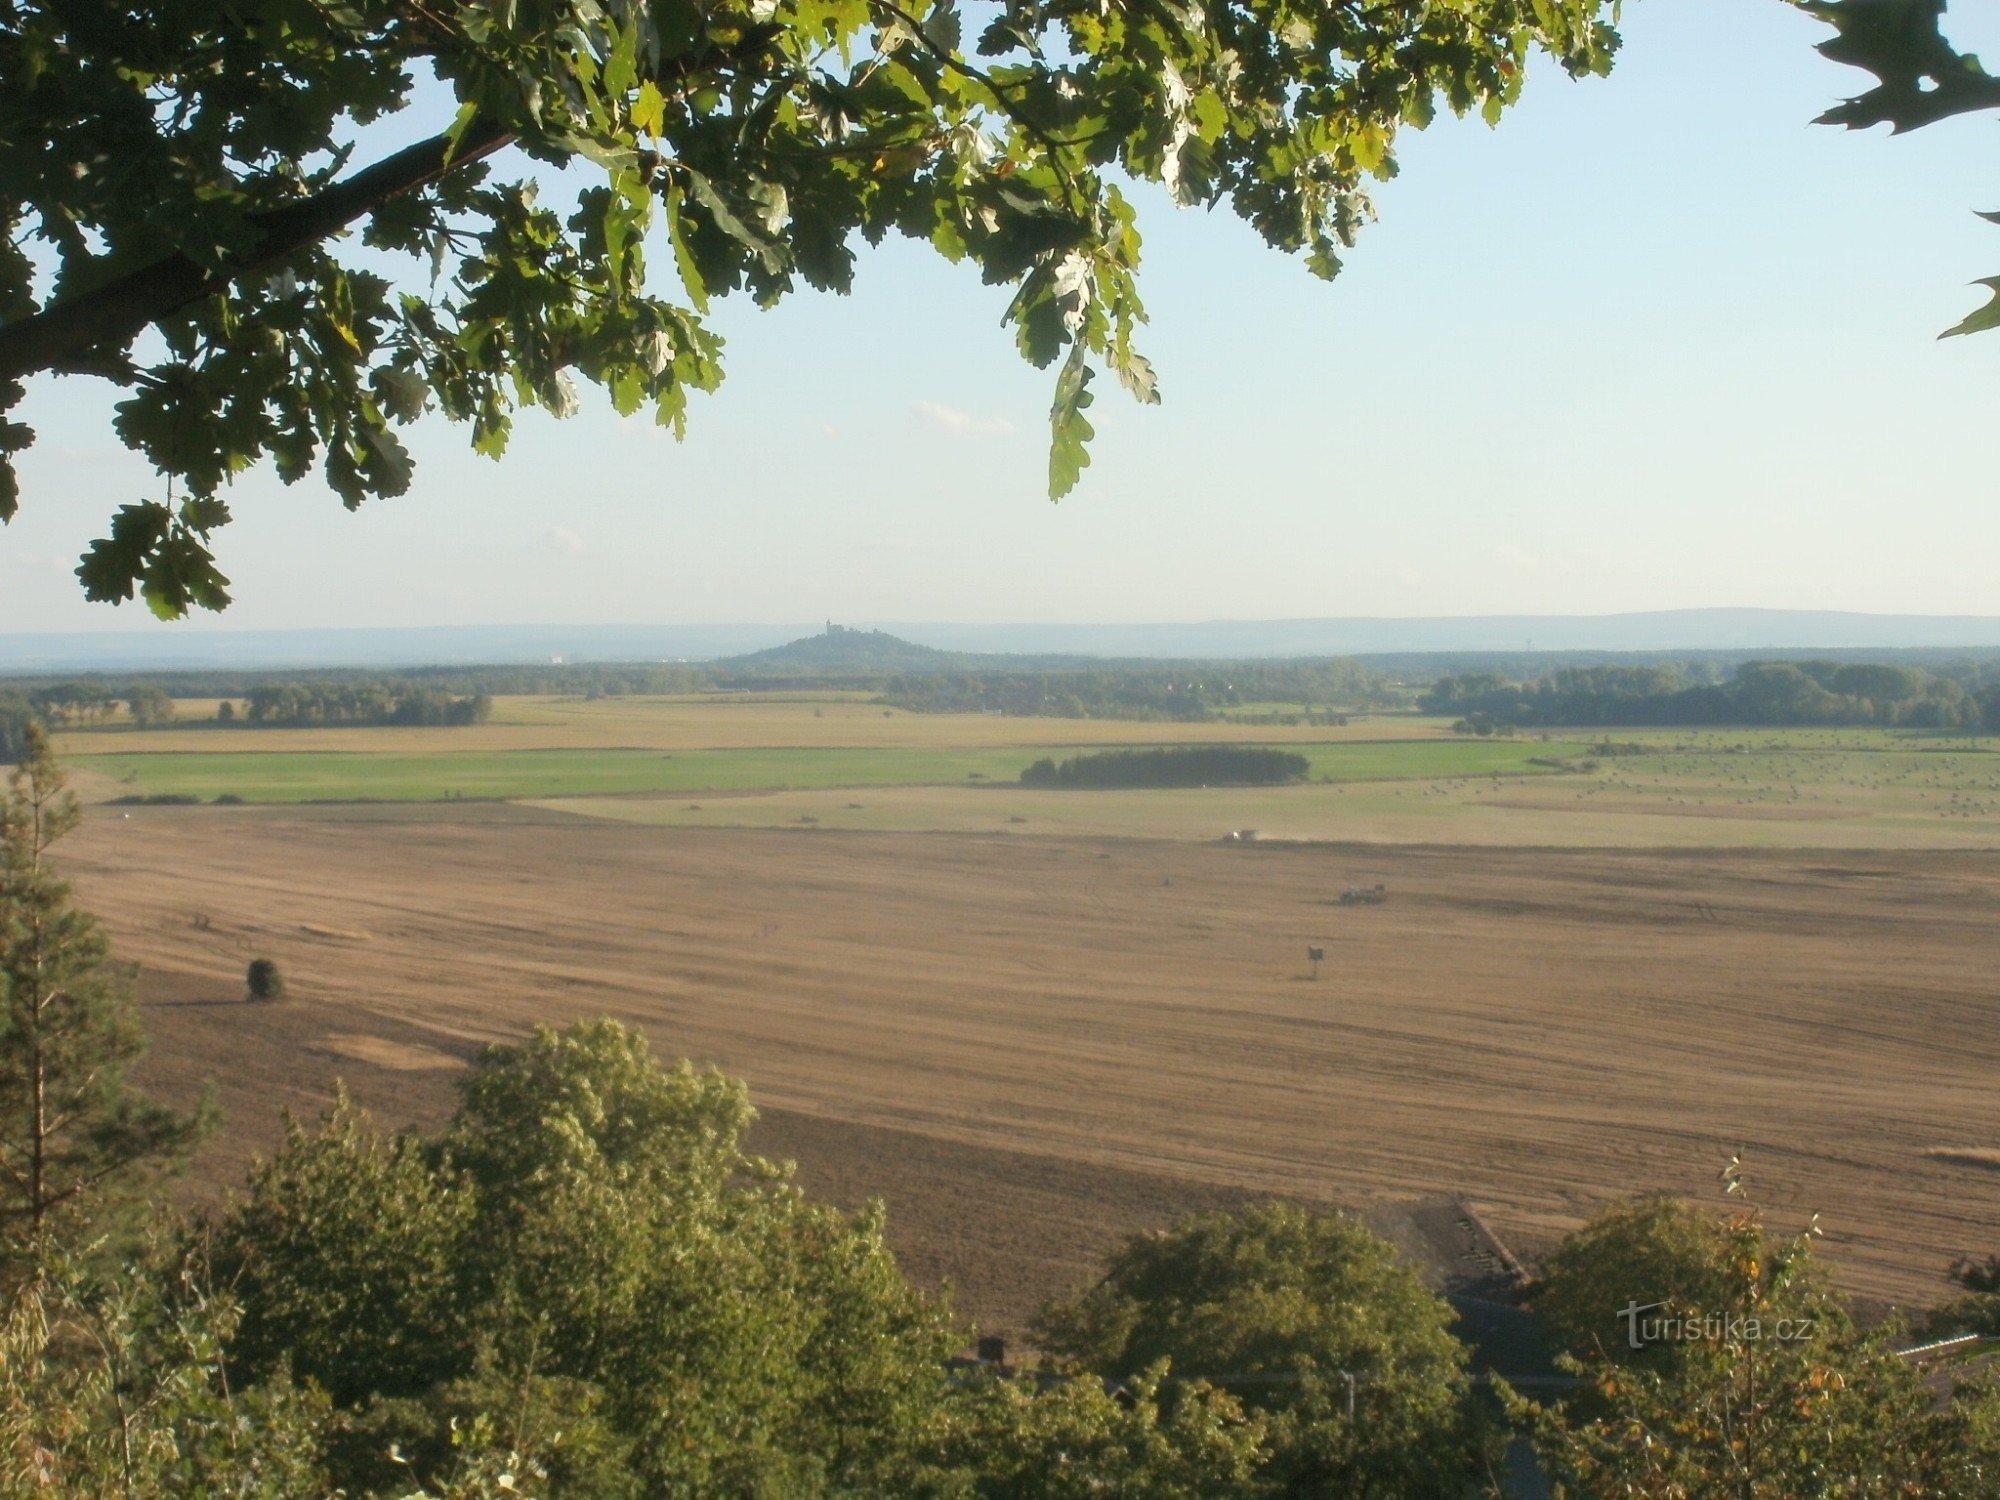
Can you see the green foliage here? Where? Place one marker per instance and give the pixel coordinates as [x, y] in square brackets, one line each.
[149, 706]
[1663, 1256]
[1281, 1308]
[293, 705]
[67, 703]
[262, 980]
[347, 1257]
[1010, 1440]
[75, 1143]
[581, 1289]
[1189, 691]
[588, 1229]
[1177, 765]
[118, 1389]
[1921, 78]
[191, 175]
[1758, 1387]
[1978, 1311]
[1769, 693]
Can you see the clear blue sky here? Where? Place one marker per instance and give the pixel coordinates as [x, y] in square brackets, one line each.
[1655, 342]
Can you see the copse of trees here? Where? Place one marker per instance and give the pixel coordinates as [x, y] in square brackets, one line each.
[59, 704]
[149, 706]
[292, 704]
[1053, 695]
[1776, 694]
[1174, 766]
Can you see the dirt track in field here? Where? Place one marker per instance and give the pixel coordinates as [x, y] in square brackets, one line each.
[1029, 1046]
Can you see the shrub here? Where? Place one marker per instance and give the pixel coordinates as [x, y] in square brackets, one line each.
[1750, 1379]
[588, 1224]
[264, 980]
[1280, 1308]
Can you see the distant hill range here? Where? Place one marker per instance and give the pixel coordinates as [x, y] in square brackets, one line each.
[919, 647]
[1673, 630]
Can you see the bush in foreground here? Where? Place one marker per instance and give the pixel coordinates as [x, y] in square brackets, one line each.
[1751, 1382]
[589, 1227]
[1312, 1323]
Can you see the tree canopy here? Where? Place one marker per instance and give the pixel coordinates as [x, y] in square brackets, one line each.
[1310, 1321]
[1715, 1363]
[190, 168]
[179, 184]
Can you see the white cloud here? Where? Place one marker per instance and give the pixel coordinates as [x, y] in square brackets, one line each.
[961, 424]
[561, 539]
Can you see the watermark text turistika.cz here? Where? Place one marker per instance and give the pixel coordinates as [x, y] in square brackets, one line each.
[1664, 1327]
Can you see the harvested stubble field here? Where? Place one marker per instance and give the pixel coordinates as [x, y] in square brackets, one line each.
[1028, 1045]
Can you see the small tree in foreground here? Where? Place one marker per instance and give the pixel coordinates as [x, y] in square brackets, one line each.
[1657, 1264]
[263, 980]
[75, 1142]
[1750, 1382]
[1316, 1326]
[588, 1232]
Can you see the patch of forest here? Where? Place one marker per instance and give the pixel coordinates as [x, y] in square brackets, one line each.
[1174, 766]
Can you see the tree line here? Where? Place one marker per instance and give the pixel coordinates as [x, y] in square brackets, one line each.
[295, 704]
[274, 704]
[583, 1287]
[1187, 692]
[548, 679]
[1173, 691]
[1777, 694]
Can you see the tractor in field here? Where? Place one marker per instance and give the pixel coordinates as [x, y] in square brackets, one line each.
[1364, 895]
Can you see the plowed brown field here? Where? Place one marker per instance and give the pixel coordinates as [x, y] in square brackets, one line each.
[1029, 1045]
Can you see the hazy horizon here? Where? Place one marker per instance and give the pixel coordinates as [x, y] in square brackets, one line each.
[1640, 633]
